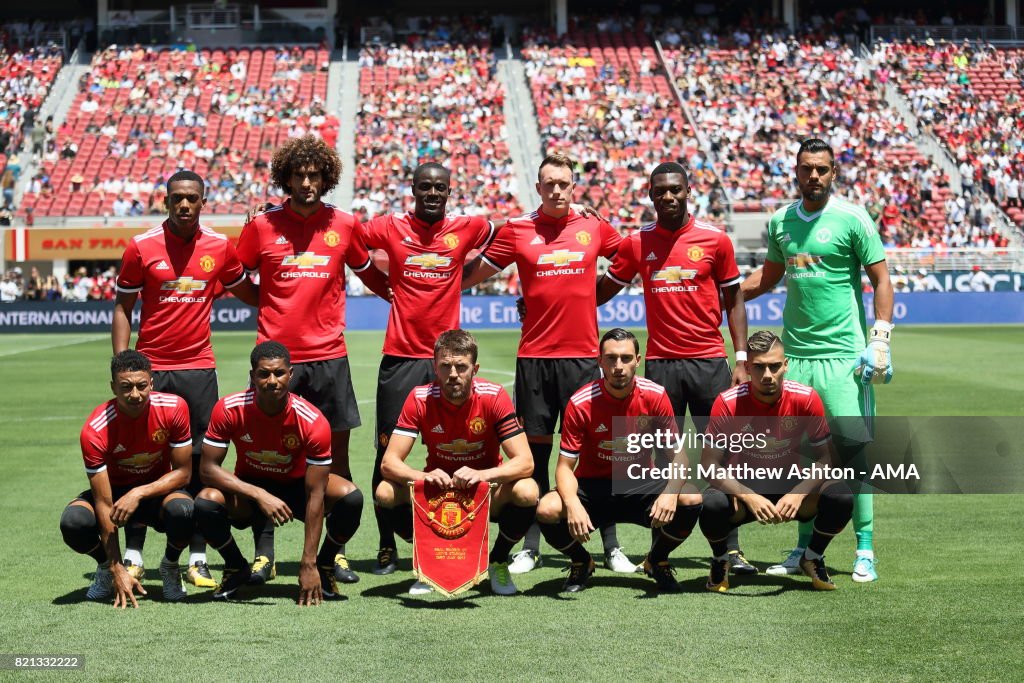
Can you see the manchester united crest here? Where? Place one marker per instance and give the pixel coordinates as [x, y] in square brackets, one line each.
[695, 253]
[331, 238]
[451, 241]
[291, 441]
[383, 439]
[207, 263]
[451, 514]
[477, 425]
[159, 436]
[789, 423]
[583, 237]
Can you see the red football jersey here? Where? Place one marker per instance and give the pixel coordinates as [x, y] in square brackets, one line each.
[178, 282]
[425, 274]
[301, 264]
[683, 272]
[557, 262]
[457, 436]
[135, 451]
[590, 422]
[274, 447]
[798, 411]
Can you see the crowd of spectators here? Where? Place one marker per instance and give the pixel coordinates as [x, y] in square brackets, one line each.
[602, 98]
[141, 114]
[755, 101]
[971, 97]
[81, 285]
[428, 100]
[25, 79]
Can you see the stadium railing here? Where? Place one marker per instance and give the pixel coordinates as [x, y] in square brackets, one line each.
[990, 34]
[931, 260]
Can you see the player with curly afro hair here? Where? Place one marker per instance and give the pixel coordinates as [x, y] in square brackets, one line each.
[299, 153]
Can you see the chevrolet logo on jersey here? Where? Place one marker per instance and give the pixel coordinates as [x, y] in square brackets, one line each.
[460, 446]
[428, 261]
[140, 462]
[559, 258]
[674, 274]
[804, 260]
[269, 457]
[616, 445]
[306, 259]
[184, 285]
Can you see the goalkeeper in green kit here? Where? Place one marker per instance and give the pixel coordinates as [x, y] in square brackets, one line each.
[820, 244]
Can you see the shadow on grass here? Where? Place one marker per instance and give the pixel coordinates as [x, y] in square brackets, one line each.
[399, 591]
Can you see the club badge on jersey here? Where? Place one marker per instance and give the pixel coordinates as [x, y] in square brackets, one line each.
[450, 536]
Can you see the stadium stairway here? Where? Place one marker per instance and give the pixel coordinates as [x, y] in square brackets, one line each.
[521, 126]
[343, 100]
[57, 104]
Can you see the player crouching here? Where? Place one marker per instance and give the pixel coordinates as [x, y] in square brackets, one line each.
[784, 412]
[282, 472]
[137, 449]
[586, 498]
[463, 420]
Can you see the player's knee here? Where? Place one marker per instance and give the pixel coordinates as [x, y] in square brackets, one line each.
[78, 527]
[837, 496]
[715, 502]
[178, 509]
[549, 509]
[384, 496]
[689, 500]
[205, 507]
[212, 495]
[350, 502]
[525, 493]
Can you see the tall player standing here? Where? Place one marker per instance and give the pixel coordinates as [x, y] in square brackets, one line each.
[178, 268]
[556, 250]
[820, 244]
[426, 250]
[688, 270]
[300, 250]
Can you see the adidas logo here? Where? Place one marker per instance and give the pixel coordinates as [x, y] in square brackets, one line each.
[537, 240]
[652, 257]
[281, 239]
[601, 428]
[119, 449]
[246, 438]
[162, 266]
[438, 429]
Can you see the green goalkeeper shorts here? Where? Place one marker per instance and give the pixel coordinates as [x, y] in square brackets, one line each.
[841, 392]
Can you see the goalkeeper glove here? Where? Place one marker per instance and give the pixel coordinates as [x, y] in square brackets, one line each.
[875, 363]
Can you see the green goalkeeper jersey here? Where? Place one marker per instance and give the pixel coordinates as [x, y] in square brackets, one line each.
[823, 253]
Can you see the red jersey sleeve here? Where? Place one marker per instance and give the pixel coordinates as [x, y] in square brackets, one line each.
[610, 240]
[180, 428]
[318, 442]
[93, 448]
[358, 257]
[573, 430]
[249, 246]
[720, 417]
[503, 416]
[625, 267]
[131, 278]
[502, 250]
[232, 273]
[726, 271]
[374, 232]
[218, 433]
[817, 426]
[483, 232]
[409, 419]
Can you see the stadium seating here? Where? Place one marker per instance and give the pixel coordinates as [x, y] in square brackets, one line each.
[141, 114]
[25, 80]
[755, 105]
[601, 98]
[971, 97]
[444, 104]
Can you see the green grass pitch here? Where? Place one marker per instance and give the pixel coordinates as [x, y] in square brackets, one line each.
[947, 606]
